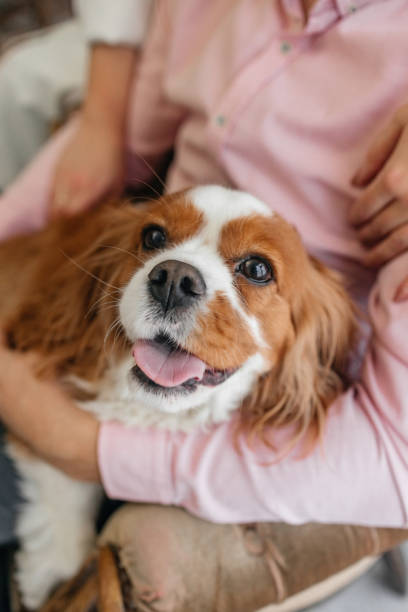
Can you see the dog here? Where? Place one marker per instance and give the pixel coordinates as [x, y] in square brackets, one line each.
[174, 313]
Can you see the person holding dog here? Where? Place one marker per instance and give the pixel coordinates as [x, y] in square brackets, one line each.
[298, 103]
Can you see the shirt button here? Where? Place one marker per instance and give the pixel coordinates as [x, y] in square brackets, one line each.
[285, 47]
[220, 120]
[352, 8]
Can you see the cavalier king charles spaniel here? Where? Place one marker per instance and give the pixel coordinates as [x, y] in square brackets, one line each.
[172, 314]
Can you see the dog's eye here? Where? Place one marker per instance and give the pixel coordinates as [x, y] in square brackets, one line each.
[256, 270]
[154, 237]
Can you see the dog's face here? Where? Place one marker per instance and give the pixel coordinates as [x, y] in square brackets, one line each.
[212, 299]
[216, 301]
[196, 311]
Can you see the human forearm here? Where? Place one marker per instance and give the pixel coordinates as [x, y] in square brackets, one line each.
[91, 168]
[46, 420]
[106, 98]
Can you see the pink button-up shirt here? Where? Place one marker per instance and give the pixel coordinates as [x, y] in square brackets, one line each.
[250, 94]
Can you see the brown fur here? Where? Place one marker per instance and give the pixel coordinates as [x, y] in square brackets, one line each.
[221, 337]
[63, 315]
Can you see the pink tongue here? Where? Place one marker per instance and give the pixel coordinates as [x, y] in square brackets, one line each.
[165, 366]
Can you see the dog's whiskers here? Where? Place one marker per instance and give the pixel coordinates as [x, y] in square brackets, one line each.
[152, 170]
[116, 248]
[94, 305]
[100, 280]
[146, 184]
[115, 326]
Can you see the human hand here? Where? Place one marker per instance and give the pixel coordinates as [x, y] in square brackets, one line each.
[44, 419]
[90, 168]
[380, 213]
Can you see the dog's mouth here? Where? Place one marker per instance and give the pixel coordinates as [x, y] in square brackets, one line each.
[162, 364]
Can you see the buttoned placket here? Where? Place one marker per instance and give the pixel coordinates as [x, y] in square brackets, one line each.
[276, 56]
[283, 48]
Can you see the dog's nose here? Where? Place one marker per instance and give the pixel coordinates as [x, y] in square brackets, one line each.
[175, 283]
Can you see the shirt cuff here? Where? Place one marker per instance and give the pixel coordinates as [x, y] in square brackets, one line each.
[122, 22]
[135, 464]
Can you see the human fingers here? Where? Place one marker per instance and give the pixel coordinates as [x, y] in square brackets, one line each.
[373, 199]
[75, 192]
[391, 183]
[67, 205]
[386, 221]
[381, 148]
[389, 248]
[64, 187]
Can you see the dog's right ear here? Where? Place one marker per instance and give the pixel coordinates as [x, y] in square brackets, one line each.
[69, 305]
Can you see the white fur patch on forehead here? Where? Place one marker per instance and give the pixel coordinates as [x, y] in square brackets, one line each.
[221, 205]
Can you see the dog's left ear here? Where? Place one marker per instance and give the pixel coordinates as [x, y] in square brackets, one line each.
[314, 369]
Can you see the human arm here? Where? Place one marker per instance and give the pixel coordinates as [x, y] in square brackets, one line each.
[45, 419]
[92, 164]
[151, 131]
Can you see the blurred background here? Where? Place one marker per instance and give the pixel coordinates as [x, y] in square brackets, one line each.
[19, 17]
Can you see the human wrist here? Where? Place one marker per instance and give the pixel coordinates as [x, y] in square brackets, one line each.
[107, 94]
[104, 117]
[79, 459]
[98, 124]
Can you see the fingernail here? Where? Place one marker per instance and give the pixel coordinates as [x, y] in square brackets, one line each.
[401, 294]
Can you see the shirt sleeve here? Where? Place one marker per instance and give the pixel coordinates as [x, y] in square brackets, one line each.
[358, 475]
[115, 22]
